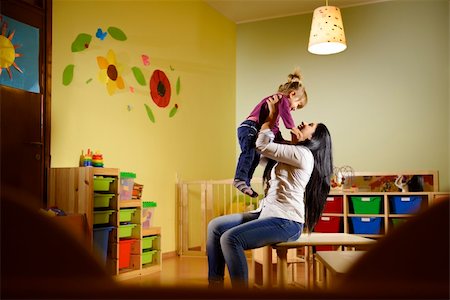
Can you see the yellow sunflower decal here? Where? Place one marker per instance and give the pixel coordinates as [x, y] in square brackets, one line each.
[109, 73]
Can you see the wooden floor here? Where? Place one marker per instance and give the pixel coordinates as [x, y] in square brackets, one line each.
[190, 272]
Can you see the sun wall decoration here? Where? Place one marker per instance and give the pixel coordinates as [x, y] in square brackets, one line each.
[111, 73]
[19, 44]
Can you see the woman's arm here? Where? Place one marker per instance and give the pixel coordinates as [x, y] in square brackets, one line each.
[288, 154]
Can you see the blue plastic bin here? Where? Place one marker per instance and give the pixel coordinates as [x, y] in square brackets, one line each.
[101, 239]
[405, 204]
[363, 225]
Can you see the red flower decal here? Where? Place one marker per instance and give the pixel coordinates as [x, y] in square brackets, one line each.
[160, 88]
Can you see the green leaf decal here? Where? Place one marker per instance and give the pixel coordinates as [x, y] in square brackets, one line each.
[68, 74]
[173, 111]
[178, 85]
[81, 42]
[150, 113]
[117, 34]
[138, 75]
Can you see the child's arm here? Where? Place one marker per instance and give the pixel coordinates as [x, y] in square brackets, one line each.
[295, 132]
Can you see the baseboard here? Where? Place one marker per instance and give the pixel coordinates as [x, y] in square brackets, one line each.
[169, 254]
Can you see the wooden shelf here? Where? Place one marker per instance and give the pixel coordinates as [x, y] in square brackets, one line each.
[130, 203]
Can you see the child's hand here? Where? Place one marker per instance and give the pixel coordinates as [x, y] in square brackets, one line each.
[296, 135]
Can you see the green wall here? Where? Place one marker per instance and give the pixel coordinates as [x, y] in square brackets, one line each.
[385, 99]
[188, 41]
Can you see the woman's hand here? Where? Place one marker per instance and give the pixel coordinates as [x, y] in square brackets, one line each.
[272, 105]
[273, 111]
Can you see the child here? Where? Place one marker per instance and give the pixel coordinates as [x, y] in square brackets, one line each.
[292, 96]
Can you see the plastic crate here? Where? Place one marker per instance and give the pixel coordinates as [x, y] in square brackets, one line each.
[366, 205]
[327, 224]
[102, 184]
[147, 256]
[102, 216]
[126, 185]
[147, 242]
[126, 214]
[126, 230]
[396, 222]
[101, 240]
[148, 208]
[405, 204]
[334, 205]
[125, 253]
[363, 225]
[102, 200]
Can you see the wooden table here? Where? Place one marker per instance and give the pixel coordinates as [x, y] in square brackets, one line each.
[335, 264]
[307, 241]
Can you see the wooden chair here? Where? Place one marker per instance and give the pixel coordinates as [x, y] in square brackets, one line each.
[293, 257]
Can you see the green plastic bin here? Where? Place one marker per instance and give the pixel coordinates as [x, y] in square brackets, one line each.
[147, 242]
[398, 221]
[126, 230]
[125, 214]
[366, 205]
[147, 256]
[102, 216]
[101, 184]
[102, 200]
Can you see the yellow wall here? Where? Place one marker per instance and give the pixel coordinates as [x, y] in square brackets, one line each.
[385, 99]
[185, 39]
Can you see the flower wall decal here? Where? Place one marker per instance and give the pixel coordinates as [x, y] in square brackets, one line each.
[109, 73]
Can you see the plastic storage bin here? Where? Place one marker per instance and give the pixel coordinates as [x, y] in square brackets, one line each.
[334, 205]
[147, 242]
[126, 230]
[126, 185]
[396, 222]
[125, 253]
[147, 256]
[102, 216]
[366, 205]
[405, 205]
[327, 224]
[102, 184]
[363, 225]
[102, 200]
[148, 208]
[101, 239]
[125, 214]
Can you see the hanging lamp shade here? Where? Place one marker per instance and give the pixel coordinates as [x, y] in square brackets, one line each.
[327, 31]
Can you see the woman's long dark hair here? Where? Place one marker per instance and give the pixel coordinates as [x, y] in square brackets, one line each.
[318, 186]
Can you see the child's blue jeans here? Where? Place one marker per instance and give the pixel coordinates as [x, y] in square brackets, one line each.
[248, 159]
[230, 235]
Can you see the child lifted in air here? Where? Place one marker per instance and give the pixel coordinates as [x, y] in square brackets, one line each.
[292, 96]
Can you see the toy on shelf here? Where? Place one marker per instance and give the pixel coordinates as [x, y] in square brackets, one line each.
[91, 159]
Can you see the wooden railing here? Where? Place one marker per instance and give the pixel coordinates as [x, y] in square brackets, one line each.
[199, 201]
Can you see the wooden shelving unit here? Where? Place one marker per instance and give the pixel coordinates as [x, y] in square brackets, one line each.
[72, 190]
[428, 196]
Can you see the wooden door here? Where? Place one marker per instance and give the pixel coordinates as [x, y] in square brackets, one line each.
[25, 117]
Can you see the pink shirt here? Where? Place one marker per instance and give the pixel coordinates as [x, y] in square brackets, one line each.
[260, 112]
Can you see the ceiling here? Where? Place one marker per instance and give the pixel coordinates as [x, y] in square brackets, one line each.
[243, 11]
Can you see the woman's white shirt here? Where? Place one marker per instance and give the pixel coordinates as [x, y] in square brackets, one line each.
[289, 177]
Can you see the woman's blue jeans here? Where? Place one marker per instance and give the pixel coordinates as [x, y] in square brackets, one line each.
[230, 235]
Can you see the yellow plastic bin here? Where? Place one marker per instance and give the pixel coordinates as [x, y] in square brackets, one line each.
[102, 184]
[102, 216]
[147, 242]
[126, 230]
[148, 256]
[102, 200]
[125, 214]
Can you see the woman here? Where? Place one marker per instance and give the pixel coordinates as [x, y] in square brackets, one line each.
[303, 167]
